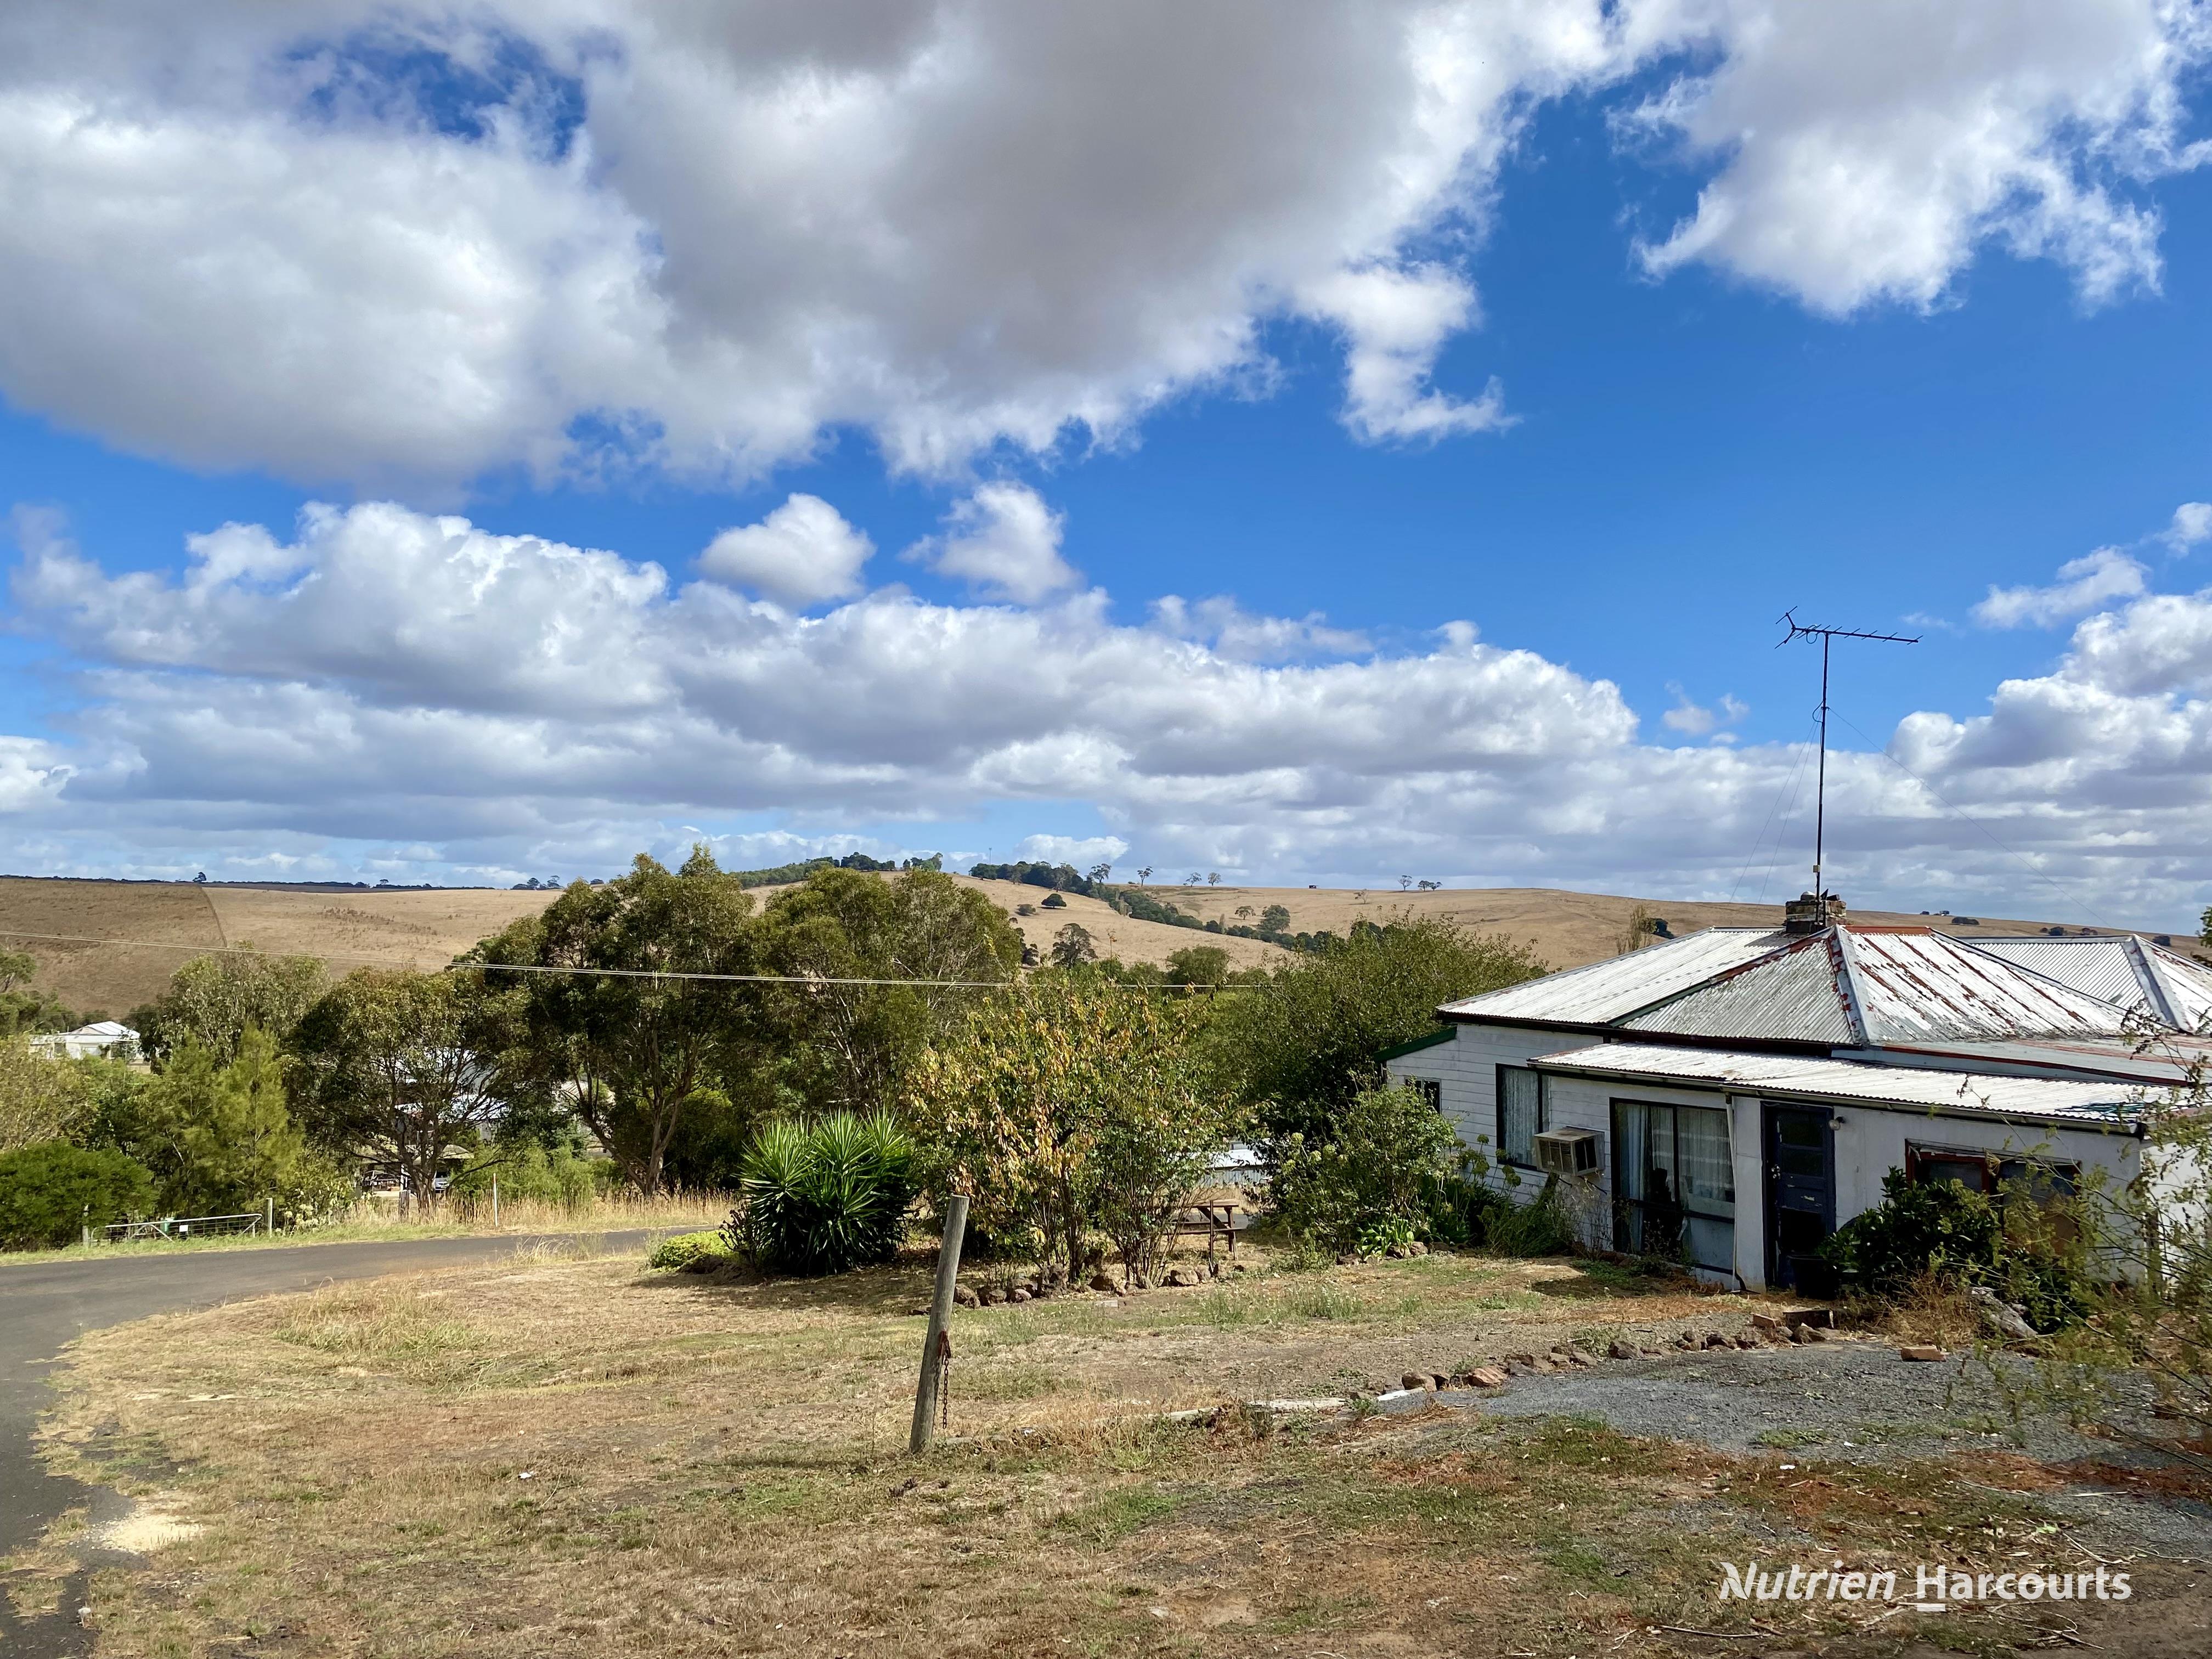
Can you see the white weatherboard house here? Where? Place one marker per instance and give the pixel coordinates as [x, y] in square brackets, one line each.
[1746, 1090]
[104, 1038]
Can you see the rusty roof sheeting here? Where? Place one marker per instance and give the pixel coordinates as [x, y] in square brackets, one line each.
[1850, 987]
[2122, 969]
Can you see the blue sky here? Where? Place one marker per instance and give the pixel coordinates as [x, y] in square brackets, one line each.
[1648, 323]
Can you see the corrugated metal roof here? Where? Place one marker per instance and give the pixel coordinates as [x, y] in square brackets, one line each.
[1969, 1092]
[1793, 994]
[2171, 1061]
[2120, 968]
[1607, 990]
[1913, 984]
[1856, 987]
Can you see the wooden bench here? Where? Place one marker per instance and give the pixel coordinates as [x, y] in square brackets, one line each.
[1215, 1222]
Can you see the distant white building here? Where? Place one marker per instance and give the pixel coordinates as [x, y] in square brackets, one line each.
[102, 1039]
[1746, 1090]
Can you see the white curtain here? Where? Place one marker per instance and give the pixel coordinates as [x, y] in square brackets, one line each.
[1519, 1113]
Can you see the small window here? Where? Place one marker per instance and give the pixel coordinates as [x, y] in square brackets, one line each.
[1430, 1089]
[1521, 1116]
[2046, 1182]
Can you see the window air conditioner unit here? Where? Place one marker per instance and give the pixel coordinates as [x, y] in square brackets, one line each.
[1567, 1151]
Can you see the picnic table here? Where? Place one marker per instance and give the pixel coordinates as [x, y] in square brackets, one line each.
[1216, 1221]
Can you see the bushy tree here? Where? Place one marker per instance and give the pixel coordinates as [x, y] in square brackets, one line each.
[1307, 1040]
[213, 1000]
[628, 1050]
[1072, 946]
[41, 1099]
[1199, 964]
[850, 1047]
[1372, 1182]
[24, 1006]
[220, 1139]
[48, 1192]
[406, 1065]
[1071, 1104]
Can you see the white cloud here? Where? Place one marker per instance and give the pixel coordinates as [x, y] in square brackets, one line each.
[2083, 584]
[2192, 524]
[1003, 541]
[1395, 322]
[1867, 151]
[1694, 721]
[592, 235]
[387, 680]
[803, 552]
[1081, 851]
[1233, 631]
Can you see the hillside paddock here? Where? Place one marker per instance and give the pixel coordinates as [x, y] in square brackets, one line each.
[570, 1456]
[427, 929]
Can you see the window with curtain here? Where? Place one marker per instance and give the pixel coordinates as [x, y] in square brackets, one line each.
[1520, 1113]
[1674, 1182]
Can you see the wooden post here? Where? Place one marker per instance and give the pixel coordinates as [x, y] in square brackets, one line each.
[940, 1316]
[494, 1200]
[268, 1230]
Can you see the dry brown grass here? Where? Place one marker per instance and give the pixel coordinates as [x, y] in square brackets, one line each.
[428, 929]
[571, 1457]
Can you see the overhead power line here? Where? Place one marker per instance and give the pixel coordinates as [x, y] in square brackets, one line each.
[606, 973]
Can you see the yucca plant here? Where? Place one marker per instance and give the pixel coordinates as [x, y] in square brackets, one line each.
[824, 1196]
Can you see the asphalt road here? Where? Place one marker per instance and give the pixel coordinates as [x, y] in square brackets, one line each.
[48, 1304]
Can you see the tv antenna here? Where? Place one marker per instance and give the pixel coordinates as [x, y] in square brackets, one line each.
[1826, 635]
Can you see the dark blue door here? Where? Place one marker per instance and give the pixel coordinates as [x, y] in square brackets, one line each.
[1800, 1196]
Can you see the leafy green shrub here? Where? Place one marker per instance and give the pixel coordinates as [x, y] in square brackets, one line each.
[47, 1192]
[1540, 1227]
[531, 1170]
[1941, 1230]
[825, 1196]
[1377, 1175]
[684, 1251]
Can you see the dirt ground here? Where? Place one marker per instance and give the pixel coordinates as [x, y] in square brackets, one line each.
[575, 1457]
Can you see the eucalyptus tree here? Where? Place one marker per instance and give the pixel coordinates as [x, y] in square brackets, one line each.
[407, 1065]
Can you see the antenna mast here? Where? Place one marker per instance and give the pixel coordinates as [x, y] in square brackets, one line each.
[1808, 631]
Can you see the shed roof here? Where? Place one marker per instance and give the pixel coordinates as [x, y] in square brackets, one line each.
[1969, 1093]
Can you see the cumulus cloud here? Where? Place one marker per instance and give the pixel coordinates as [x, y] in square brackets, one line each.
[803, 552]
[2192, 524]
[1081, 851]
[1395, 322]
[1867, 151]
[389, 680]
[2083, 584]
[1233, 631]
[1003, 541]
[1692, 719]
[400, 245]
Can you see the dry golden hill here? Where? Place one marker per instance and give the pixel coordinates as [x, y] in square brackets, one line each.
[1567, 929]
[165, 922]
[173, 921]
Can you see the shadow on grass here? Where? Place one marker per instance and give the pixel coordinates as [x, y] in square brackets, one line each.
[1591, 1279]
[897, 1288]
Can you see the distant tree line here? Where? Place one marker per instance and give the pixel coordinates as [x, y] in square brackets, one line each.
[565, 1055]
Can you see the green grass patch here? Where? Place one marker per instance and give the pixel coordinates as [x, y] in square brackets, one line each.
[1110, 1518]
